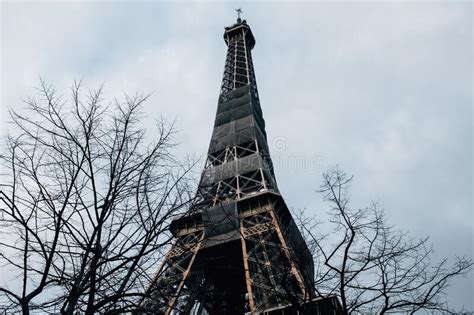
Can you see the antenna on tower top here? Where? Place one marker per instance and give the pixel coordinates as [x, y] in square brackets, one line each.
[239, 12]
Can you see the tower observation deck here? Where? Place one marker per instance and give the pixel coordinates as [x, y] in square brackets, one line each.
[237, 250]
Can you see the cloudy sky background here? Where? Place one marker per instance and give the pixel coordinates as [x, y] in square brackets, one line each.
[382, 89]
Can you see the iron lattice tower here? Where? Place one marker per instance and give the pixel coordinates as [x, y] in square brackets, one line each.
[237, 249]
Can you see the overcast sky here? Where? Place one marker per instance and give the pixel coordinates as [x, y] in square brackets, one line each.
[382, 89]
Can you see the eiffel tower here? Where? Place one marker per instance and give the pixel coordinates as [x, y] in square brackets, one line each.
[237, 250]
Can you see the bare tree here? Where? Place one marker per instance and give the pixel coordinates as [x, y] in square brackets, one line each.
[85, 203]
[370, 265]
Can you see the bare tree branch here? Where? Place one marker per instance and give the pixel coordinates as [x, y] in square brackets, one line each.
[373, 267]
[85, 203]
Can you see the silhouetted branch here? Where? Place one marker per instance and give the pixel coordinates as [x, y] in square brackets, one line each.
[370, 265]
[85, 203]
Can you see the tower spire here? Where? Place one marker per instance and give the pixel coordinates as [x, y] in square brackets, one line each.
[239, 12]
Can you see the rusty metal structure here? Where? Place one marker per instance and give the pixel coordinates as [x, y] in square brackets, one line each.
[237, 250]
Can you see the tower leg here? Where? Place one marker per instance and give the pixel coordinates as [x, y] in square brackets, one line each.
[247, 271]
[167, 288]
[272, 276]
[284, 247]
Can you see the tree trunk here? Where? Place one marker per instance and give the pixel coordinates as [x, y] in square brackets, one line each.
[25, 308]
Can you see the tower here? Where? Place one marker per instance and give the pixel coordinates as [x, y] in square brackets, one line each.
[237, 249]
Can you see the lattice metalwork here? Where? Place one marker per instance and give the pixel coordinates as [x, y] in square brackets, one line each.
[231, 154]
[175, 288]
[233, 188]
[273, 277]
